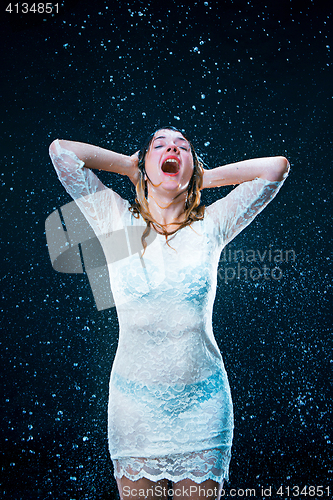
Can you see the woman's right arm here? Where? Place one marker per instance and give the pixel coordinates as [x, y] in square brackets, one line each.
[101, 206]
[101, 159]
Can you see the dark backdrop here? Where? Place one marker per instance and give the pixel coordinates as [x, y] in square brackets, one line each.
[244, 79]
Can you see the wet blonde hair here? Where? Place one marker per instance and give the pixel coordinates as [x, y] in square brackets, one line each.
[193, 210]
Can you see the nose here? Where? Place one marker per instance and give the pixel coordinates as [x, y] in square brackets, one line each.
[173, 148]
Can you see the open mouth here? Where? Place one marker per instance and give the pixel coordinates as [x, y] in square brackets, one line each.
[170, 166]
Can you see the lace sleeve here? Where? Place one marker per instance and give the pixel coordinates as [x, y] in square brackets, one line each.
[101, 206]
[234, 212]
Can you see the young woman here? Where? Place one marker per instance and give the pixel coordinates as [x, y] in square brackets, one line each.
[170, 409]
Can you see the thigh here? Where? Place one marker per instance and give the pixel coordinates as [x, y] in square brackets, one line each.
[143, 488]
[208, 490]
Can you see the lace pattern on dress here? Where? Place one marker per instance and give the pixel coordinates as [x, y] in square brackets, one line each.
[198, 467]
[169, 393]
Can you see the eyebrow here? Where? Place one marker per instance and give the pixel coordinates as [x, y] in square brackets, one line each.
[163, 137]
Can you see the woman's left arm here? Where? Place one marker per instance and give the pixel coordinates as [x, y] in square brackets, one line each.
[273, 169]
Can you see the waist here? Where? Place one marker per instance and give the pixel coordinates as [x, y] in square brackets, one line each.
[200, 389]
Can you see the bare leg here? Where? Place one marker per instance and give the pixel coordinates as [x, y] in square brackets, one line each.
[142, 489]
[208, 490]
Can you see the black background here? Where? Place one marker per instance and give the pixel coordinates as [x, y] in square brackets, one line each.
[244, 79]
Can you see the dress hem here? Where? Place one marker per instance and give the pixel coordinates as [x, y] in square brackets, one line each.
[210, 464]
[170, 477]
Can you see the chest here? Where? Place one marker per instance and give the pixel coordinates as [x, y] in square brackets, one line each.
[183, 268]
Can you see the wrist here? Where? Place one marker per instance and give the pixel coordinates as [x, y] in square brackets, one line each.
[206, 179]
[133, 169]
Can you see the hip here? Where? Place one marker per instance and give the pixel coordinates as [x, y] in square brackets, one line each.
[175, 396]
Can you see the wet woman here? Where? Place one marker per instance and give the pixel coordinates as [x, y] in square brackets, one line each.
[170, 415]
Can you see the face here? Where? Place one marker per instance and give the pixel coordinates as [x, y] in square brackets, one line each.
[169, 162]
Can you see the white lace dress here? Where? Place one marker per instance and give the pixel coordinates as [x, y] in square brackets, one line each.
[170, 410]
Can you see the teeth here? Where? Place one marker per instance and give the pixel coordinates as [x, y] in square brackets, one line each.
[170, 166]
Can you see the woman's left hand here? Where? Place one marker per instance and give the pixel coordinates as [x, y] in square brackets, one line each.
[274, 169]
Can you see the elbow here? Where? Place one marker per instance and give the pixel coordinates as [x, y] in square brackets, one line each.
[53, 149]
[279, 169]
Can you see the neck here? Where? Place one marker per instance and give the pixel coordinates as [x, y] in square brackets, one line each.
[167, 210]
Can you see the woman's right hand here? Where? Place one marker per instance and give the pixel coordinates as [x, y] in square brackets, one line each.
[134, 174]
